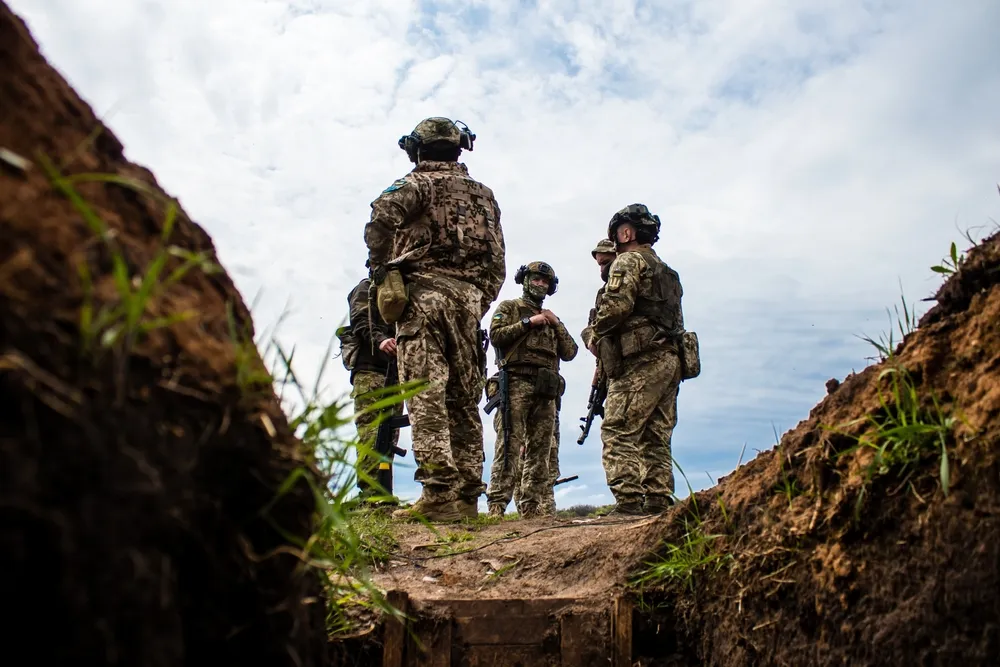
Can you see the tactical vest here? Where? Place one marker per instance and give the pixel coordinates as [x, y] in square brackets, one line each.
[538, 349]
[656, 315]
[462, 229]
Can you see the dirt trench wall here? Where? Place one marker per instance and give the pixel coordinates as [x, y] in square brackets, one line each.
[820, 562]
[132, 476]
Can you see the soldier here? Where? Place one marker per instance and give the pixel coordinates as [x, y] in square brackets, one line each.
[530, 342]
[637, 321]
[438, 258]
[376, 348]
[604, 252]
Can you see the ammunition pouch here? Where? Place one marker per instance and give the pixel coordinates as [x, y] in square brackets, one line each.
[392, 297]
[609, 351]
[637, 340]
[547, 383]
[689, 354]
[492, 387]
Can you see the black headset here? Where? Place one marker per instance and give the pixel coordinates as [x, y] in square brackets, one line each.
[522, 273]
[410, 142]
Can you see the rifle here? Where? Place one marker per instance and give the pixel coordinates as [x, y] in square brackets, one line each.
[563, 480]
[503, 397]
[383, 439]
[595, 404]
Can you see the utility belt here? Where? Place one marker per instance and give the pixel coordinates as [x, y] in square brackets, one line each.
[548, 383]
[614, 349]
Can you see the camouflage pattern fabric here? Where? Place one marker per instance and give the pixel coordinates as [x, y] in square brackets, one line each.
[530, 442]
[440, 343]
[641, 407]
[441, 228]
[367, 460]
[438, 222]
[640, 413]
[588, 335]
[548, 504]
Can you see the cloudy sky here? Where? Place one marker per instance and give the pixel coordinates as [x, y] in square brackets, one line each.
[806, 160]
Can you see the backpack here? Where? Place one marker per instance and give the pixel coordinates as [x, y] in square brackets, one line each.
[348, 347]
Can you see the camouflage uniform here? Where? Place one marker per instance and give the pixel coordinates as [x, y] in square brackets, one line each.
[367, 375]
[531, 355]
[441, 229]
[608, 247]
[639, 314]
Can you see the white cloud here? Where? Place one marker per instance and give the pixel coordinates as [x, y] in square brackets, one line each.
[802, 160]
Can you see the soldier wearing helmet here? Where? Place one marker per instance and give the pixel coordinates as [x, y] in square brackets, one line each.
[437, 256]
[604, 253]
[637, 325]
[530, 343]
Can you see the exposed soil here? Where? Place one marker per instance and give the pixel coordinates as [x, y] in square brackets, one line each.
[532, 559]
[132, 479]
[901, 575]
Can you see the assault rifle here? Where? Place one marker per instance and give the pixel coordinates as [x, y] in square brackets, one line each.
[383, 439]
[502, 397]
[595, 404]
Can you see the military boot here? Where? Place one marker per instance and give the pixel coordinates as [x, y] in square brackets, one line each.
[628, 508]
[657, 505]
[531, 511]
[496, 511]
[433, 511]
[469, 508]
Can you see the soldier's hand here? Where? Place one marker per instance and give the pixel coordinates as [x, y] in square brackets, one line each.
[388, 346]
[550, 316]
[539, 319]
[593, 348]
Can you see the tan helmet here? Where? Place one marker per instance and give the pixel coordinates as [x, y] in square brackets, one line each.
[603, 246]
[435, 129]
[524, 272]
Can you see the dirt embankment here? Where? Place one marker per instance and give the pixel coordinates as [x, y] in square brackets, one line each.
[833, 554]
[135, 459]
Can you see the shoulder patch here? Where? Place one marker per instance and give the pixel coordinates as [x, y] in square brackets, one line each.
[615, 281]
[397, 184]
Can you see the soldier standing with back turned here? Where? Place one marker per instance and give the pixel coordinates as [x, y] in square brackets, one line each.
[437, 255]
[530, 343]
[637, 323]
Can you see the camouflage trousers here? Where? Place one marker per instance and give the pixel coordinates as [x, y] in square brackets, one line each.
[639, 418]
[526, 478]
[548, 505]
[438, 341]
[367, 460]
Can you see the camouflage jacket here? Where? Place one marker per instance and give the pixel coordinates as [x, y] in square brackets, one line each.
[641, 304]
[441, 228]
[587, 335]
[368, 336]
[543, 346]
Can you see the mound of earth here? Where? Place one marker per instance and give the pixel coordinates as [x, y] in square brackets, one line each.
[531, 559]
[824, 552]
[136, 458]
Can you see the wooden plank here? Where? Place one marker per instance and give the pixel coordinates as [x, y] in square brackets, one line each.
[429, 644]
[621, 624]
[500, 629]
[394, 637]
[585, 638]
[502, 607]
[509, 656]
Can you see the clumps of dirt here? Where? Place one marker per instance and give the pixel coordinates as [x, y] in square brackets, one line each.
[525, 559]
[136, 473]
[827, 554]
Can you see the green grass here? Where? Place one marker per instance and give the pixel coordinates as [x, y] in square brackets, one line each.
[345, 543]
[682, 561]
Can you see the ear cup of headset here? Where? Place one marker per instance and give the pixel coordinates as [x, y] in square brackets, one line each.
[519, 276]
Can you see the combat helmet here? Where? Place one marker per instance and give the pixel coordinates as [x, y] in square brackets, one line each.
[525, 271]
[437, 129]
[605, 246]
[646, 223]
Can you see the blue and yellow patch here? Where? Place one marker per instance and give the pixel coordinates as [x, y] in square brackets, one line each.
[397, 184]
